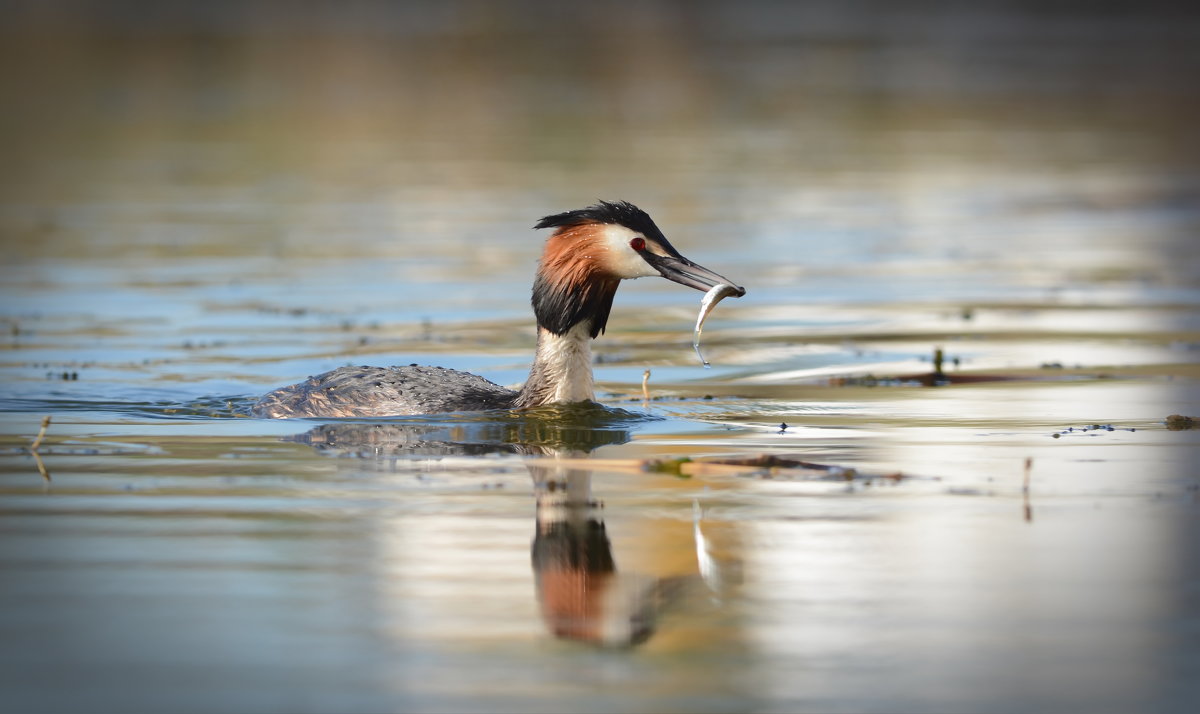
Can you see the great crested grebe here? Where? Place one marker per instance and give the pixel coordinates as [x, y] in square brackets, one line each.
[590, 252]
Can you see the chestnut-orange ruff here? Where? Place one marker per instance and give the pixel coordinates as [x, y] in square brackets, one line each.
[572, 284]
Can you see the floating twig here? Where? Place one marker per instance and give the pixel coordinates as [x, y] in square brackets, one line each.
[41, 434]
[33, 449]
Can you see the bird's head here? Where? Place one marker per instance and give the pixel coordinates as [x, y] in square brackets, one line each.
[592, 250]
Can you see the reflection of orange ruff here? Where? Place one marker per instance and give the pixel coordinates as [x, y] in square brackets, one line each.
[573, 602]
[575, 572]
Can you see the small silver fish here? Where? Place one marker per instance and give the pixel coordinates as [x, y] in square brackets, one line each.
[716, 294]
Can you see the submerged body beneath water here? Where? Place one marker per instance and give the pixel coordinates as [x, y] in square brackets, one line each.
[590, 252]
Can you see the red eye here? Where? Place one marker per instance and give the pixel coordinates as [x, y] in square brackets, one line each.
[638, 243]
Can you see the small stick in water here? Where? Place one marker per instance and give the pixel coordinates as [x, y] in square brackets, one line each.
[646, 386]
[41, 434]
[717, 293]
[33, 449]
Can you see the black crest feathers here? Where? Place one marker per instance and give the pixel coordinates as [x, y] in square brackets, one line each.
[620, 212]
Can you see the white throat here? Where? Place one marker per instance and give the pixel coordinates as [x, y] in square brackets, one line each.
[567, 360]
[562, 368]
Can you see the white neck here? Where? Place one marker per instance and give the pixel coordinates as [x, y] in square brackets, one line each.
[562, 368]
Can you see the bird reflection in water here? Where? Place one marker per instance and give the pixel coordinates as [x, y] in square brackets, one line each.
[568, 429]
[581, 594]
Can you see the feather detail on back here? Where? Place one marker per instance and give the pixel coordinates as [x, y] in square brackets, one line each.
[384, 391]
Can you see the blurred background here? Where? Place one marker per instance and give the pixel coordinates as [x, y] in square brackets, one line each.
[375, 163]
[844, 134]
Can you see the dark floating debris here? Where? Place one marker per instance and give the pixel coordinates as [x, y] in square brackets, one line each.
[1179, 422]
[767, 467]
[1090, 428]
[939, 377]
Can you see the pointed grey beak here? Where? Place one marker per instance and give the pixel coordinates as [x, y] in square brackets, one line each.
[683, 271]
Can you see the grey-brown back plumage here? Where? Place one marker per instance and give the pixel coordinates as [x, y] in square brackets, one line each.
[385, 391]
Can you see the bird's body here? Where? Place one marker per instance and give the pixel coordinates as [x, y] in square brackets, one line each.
[585, 259]
[385, 391]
